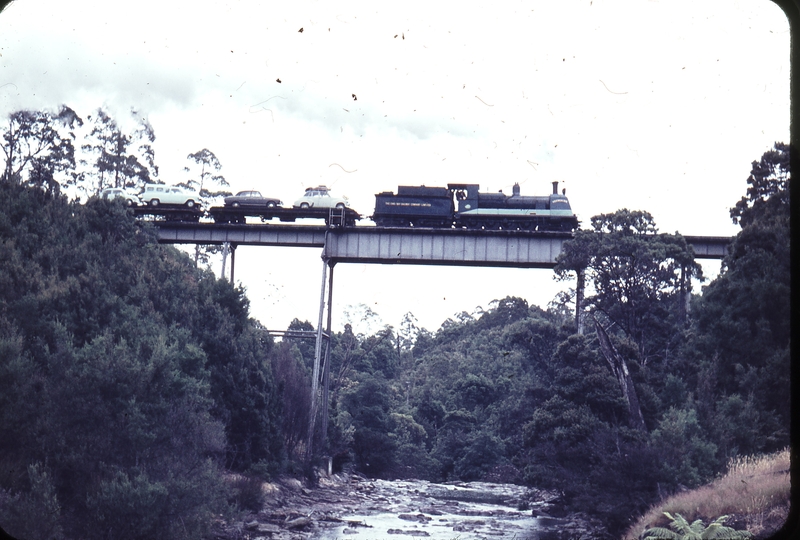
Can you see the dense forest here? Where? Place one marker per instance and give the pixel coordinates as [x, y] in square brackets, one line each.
[139, 399]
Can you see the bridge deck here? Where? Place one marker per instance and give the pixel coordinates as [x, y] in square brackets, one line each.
[384, 245]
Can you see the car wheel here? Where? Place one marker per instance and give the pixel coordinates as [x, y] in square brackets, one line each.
[304, 205]
[190, 204]
[153, 202]
[129, 202]
[271, 204]
[339, 205]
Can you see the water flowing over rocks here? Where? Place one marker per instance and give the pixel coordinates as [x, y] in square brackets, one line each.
[351, 506]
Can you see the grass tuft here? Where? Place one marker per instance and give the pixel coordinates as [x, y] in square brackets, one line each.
[754, 492]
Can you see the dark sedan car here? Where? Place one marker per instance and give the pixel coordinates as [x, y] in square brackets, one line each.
[252, 198]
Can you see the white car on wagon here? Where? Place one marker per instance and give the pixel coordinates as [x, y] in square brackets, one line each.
[320, 197]
[156, 194]
[110, 194]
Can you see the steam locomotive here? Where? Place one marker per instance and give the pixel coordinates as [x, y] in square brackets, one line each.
[463, 206]
[454, 206]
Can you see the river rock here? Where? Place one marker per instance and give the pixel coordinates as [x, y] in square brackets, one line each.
[298, 523]
[421, 518]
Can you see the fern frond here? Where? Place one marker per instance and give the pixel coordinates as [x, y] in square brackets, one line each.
[696, 531]
[717, 531]
[680, 524]
[659, 533]
[697, 526]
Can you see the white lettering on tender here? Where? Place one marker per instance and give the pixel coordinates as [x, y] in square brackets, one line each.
[406, 204]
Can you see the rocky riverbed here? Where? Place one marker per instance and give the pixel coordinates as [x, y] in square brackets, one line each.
[351, 506]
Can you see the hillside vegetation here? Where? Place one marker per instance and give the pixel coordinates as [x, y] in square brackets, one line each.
[130, 381]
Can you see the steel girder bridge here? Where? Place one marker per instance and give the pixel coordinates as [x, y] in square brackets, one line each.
[383, 245]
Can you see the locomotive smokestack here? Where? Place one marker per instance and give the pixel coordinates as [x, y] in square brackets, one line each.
[555, 187]
[515, 190]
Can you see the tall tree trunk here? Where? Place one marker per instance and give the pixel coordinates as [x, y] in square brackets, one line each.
[620, 370]
[579, 294]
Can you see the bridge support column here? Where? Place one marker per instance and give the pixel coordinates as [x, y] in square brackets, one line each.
[321, 365]
[233, 263]
[326, 369]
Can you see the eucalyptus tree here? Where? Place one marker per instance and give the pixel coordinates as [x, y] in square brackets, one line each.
[640, 281]
[119, 162]
[640, 278]
[38, 147]
[203, 179]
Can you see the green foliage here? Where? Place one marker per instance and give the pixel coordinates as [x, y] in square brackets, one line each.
[768, 187]
[34, 514]
[38, 146]
[481, 452]
[687, 457]
[411, 457]
[207, 184]
[743, 334]
[242, 384]
[294, 383]
[204, 164]
[638, 276]
[683, 530]
[133, 376]
[367, 403]
[118, 161]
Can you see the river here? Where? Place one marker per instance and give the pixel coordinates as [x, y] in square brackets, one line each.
[358, 508]
[440, 512]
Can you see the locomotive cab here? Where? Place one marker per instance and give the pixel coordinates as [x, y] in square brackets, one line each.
[466, 195]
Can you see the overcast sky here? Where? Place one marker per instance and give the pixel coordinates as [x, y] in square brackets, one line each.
[648, 105]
